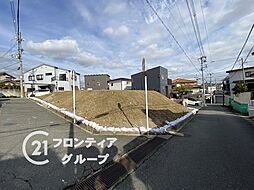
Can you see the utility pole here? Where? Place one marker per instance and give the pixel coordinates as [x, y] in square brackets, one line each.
[210, 74]
[243, 70]
[19, 56]
[203, 65]
[146, 96]
[74, 94]
[20, 50]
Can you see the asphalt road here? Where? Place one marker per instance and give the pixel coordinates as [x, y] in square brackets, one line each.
[20, 117]
[217, 153]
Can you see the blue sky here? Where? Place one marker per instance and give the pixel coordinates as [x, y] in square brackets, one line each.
[112, 36]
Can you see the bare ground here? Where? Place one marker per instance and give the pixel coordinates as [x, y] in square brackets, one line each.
[119, 108]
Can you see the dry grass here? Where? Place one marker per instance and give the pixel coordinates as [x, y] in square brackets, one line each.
[119, 108]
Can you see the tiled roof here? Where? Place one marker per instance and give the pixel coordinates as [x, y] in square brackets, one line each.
[177, 81]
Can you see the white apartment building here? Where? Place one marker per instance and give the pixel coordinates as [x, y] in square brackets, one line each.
[120, 84]
[211, 89]
[47, 78]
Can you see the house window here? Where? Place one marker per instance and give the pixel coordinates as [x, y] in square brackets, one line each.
[61, 88]
[62, 77]
[248, 74]
[39, 77]
[48, 74]
[31, 77]
[53, 78]
[30, 89]
[112, 84]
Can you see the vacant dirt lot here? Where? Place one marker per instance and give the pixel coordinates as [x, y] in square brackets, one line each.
[119, 108]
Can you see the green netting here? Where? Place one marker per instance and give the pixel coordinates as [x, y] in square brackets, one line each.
[239, 107]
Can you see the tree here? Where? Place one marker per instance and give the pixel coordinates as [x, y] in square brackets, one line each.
[181, 91]
[240, 87]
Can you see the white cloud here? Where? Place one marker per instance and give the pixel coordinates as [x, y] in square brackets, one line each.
[83, 11]
[115, 7]
[154, 52]
[148, 39]
[117, 32]
[5, 33]
[86, 58]
[53, 48]
[236, 11]
[62, 49]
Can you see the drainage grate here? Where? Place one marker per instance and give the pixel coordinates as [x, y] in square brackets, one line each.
[108, 177]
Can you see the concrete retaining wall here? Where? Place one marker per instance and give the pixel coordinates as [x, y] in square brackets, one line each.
[9, 93]
[243, 98]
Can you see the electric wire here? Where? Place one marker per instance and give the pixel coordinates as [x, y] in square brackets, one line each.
[171, 34]
[243, 47]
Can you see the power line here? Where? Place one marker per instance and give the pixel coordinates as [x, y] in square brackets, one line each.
[243, 47]
[18, 17]
[194, 28]
[207, 39]
[242, 62]
[181, 17]
[167, 29]
[219, 60]
[197, 26]
[185, 31]
[8, 51]
[7, 66]
[249, 54]
[175, 20]
[13, 16]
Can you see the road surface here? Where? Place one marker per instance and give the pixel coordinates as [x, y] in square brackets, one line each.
[20, 117]
[216, 153]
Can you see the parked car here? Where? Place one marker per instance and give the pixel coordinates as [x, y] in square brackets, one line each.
[193, 102]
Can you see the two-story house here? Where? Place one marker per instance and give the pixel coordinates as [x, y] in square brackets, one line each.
[120, 84]
[157, 80]
[6, 76]
[97, 82]
[8, 81]
[47, 78]
[236, 75]
[190, 85]
[9, 85]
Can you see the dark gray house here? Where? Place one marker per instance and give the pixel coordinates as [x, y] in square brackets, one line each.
[97, 82]
[157, 79]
